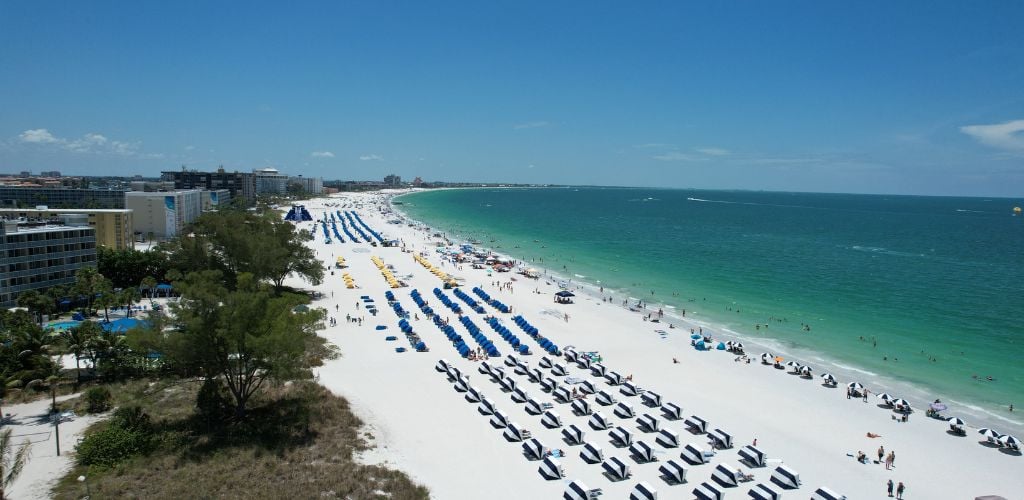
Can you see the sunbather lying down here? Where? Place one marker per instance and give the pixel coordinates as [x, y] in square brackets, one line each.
[873, 435]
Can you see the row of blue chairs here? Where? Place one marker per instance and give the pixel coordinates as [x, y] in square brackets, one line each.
[532, 331]
[479, 337]
[508, 336]
[344, 227]
[474, 305]
[449, 331]
[374, 233]
[495, 303]
[447, 301]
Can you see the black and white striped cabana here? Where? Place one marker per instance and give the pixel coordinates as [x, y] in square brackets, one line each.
[511, 360]
[551, 469]
[693, 454]
[651, 399]
[707, 491]
[544, 362]
[621, 436]
[486, 406]
[473, 394]
[616, 469]
[753, 456]
[824, 493]
[667, 438]
[581, 407]
[673, 472]
[603, 397]
[648, 423]
[533, 449]
[642, 452]
[579, 491]
[499, 419]
[462, 383]
[672, 411]
[534, 407]
[551, 420]
[624, 410]
[725, 475]
[549, 384]
[563, 394]
[485, 368]
[442, 365]
[588, 387]
[598, 369]
[762, 491]
[536, 375]
[514, 432]
[571, 354]
[498, 373]
[599, 421]
[697, 424]
[786, 477]
[559, 370]
[643, 491]
[614, 378]
[583, 362]
[520, 396]
[509, 384]
[591, 453]
[573, 435]
[630, 389]
[722, 439]
[522, 368]
[453, 372]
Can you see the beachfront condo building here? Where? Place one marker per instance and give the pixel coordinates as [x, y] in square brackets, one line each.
[40, 255]
[20, 196]
[270, 181]
[214, 198]
[163, 215]
[114, 226]
[240, 185]
[310, 185]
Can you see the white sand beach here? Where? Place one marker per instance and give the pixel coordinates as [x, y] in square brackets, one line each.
[424, 427]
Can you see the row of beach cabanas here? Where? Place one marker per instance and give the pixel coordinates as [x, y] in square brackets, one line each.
[359, 219]
[507, 336]
[352, 222]
[447, 301]
[443, 276]
[533, 332]
[344, 227]
[472, 303]
[495, 303]
[388, 275]
[349, 282]
[474, 331]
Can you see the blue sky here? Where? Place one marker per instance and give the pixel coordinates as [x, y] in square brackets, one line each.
[877, 97]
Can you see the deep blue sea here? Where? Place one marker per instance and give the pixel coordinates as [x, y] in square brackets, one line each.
[923, 293]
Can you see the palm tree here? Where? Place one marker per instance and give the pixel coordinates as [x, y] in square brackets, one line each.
[11, 461]
[130, 295]
[76, 341]
[87, 281]
[106, 297]
[38, 304]
[149, 283]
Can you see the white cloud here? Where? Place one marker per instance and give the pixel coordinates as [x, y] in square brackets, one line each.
[38, 136]
[322, 154]
[1009, 135]
[371, 157]
[712, 151]
[537, 124]
[189, 147]
[677, 156]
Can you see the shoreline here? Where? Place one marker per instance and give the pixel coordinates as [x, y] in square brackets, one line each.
[428, 430]
[919, 396]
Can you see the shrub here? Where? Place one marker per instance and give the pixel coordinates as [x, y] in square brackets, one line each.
[111, 446]
[97, 400]
[211, 402]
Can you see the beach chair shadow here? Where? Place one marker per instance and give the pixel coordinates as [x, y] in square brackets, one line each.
[1009, 451]
[988, 444]
[956, 434]
[883, 406]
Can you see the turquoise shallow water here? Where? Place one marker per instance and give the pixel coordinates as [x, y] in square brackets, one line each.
[933, 285]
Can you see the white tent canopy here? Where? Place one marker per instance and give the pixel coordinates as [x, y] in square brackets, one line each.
[673, 471]
[696, 423]
[786, 477]
[667, 438]
[648, 422]
[581, 407]
[643, 491]
[551, 469]
[616, 468]
[651, 399]
[624, 410]
[642, 451]
[672, 411]
[591, 452]
[707, 491]
[621, 436]
[574, 435]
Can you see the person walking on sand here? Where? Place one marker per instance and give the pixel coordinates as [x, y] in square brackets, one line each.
[888, 488]
[899, 491]
[881, 453]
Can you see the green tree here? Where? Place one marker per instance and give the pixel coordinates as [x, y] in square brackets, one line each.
[77, 340]
[88, 282]
[129, 296]
[37, 303]
[245, 337]
[106, 298]
[149, 284]
[12, 460]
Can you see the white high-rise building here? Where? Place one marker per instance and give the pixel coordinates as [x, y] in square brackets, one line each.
[270, 181]
[164, 214]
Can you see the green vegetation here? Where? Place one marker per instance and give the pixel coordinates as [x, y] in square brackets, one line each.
[12, 460]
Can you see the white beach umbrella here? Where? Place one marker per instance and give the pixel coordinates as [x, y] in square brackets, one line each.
[1008, 440]
[885, 397]
[828, 377]
[899, 402]
[767, 357]
[738, 345]
[954, 421]
[989, 433]
[806, 370]
[857, 386]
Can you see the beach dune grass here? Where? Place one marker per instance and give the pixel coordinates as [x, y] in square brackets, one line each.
[299, 441]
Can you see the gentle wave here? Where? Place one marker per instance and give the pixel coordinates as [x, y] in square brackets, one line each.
[852, 369]
[986, 412]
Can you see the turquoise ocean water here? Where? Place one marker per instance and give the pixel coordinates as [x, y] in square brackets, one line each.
[919, 293]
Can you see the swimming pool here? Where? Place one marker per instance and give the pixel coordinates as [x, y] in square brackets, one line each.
[62, 325]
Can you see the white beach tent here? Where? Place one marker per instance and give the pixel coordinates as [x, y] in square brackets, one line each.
[805, 371]
[549, 384]
[824, 493]
[624, 410]
[536, 375]
[498, 373]
[673, 472]
[559, 370]
[544, 362]
[520, 396]
[473, 394]
[598, 369]
[588, 387]
[786, 477]
[761, 491]
[522, 368]
[485, 368]
[604, 398]
[956, 424]
[672, 411]
[642, 452]
[753, 456]
[486, 406]
[462, 383]
[598, 421]
[1009, 441]
[551, 420]
[514, 432]
[643, 491]
[579, 491]
[667, 438]
[563, 394]
[614, 378]
[616, 469]
[509, 384]
[767, 358]
[697, 424]
[707, 491]
[725, 475]
[551, 469]
[534, 407]
[591, 453]
[533, 449]
[499, 419]
[453, 372]
[621, 436]
[651, 399]
[693, 454]
[583, 362]
[829, 379]
[630, 389]
[570, 354]
[722, 439]
[648, 422]
[511, 360]
[573, 435]
[442, 365]
[581, 407]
